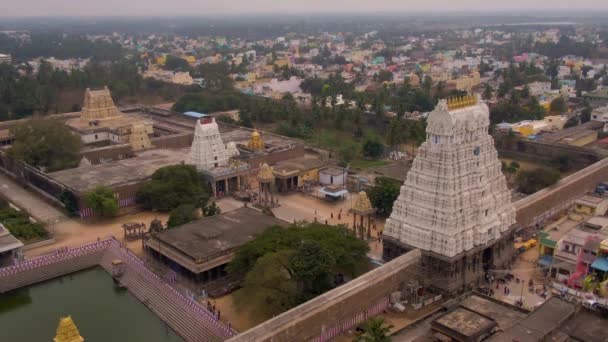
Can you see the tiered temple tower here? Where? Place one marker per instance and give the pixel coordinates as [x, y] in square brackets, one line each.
[67, 331]
[98, 104]
[139, 138]
[208, 151]
[454, 205]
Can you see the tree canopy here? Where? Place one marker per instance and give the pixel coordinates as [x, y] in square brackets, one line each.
[376, 330]
[284, 267]
[181, 215]
[172, 186]
[384, 193]
[102, 201]
[531, 181]
[46, 144]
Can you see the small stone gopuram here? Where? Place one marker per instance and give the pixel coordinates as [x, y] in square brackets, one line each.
[454, 205]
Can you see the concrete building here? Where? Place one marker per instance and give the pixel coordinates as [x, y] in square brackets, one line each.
[333, 176]
[203, 248]
[454, 204]
[10, 247]
[4, 58]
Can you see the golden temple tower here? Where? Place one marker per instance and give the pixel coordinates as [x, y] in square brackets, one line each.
[67, 331]
[256, 143]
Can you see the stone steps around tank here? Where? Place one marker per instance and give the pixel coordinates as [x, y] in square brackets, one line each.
[182, 319]
[50, 271]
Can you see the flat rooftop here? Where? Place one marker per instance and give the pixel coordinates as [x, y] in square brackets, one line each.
[465, 322]
[589, 200]
[121, 172]
[307, 162]
[505, 315]
[112, 123]
[538, 324]
[214, 236]
[242, 136]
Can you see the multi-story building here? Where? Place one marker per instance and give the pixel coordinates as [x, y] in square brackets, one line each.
[5, 58]
[454, 205]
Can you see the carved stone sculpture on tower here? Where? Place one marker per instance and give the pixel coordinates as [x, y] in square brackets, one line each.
[455, 196]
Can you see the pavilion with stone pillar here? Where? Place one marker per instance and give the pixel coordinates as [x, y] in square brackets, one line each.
[266, 181]
[364, 209]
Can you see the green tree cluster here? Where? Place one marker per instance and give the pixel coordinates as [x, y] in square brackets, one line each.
[46, 144]
[102, 201]
[531, 181]
[181, 215]
[384, 193]
[172, 186]
[376, 329]
[19, 224]
[284, 267]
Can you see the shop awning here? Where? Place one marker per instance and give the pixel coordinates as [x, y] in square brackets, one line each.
[600, 264]
[545, 260]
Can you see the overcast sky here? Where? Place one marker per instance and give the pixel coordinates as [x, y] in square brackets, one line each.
[17, 8]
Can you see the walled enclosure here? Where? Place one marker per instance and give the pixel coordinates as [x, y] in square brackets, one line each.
[308, 320]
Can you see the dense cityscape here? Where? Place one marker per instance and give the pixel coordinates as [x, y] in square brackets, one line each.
[344, 177]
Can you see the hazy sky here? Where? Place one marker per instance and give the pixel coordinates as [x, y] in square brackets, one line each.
[201, 7]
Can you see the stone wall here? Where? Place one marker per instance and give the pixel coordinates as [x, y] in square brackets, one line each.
[311, 319]
[542, 205]
[275, 157]
[522, 149]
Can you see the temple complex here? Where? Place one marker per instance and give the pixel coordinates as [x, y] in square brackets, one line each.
[67, 331]
[100, 123]
[454, 205]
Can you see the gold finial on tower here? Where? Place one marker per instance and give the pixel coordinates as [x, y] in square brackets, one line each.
[461, 101]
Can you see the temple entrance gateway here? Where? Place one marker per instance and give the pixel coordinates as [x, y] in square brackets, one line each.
[458, 156]
[488, 258]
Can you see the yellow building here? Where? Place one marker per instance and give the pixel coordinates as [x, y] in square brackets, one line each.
[190, 59]
[591, 205]
[161, 60]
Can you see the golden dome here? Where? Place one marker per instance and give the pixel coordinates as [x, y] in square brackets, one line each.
[67, 331]
[256, 143]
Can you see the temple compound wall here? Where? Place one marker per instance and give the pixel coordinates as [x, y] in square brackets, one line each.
[334, 310]
[543, 205]
[545, 151]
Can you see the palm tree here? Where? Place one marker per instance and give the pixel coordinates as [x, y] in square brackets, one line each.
[376, 330]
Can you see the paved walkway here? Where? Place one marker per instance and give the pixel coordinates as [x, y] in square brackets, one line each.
[29, 201]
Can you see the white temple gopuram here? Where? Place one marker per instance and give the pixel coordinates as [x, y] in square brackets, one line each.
[454, 205]
[208, 151]
[213, 158]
